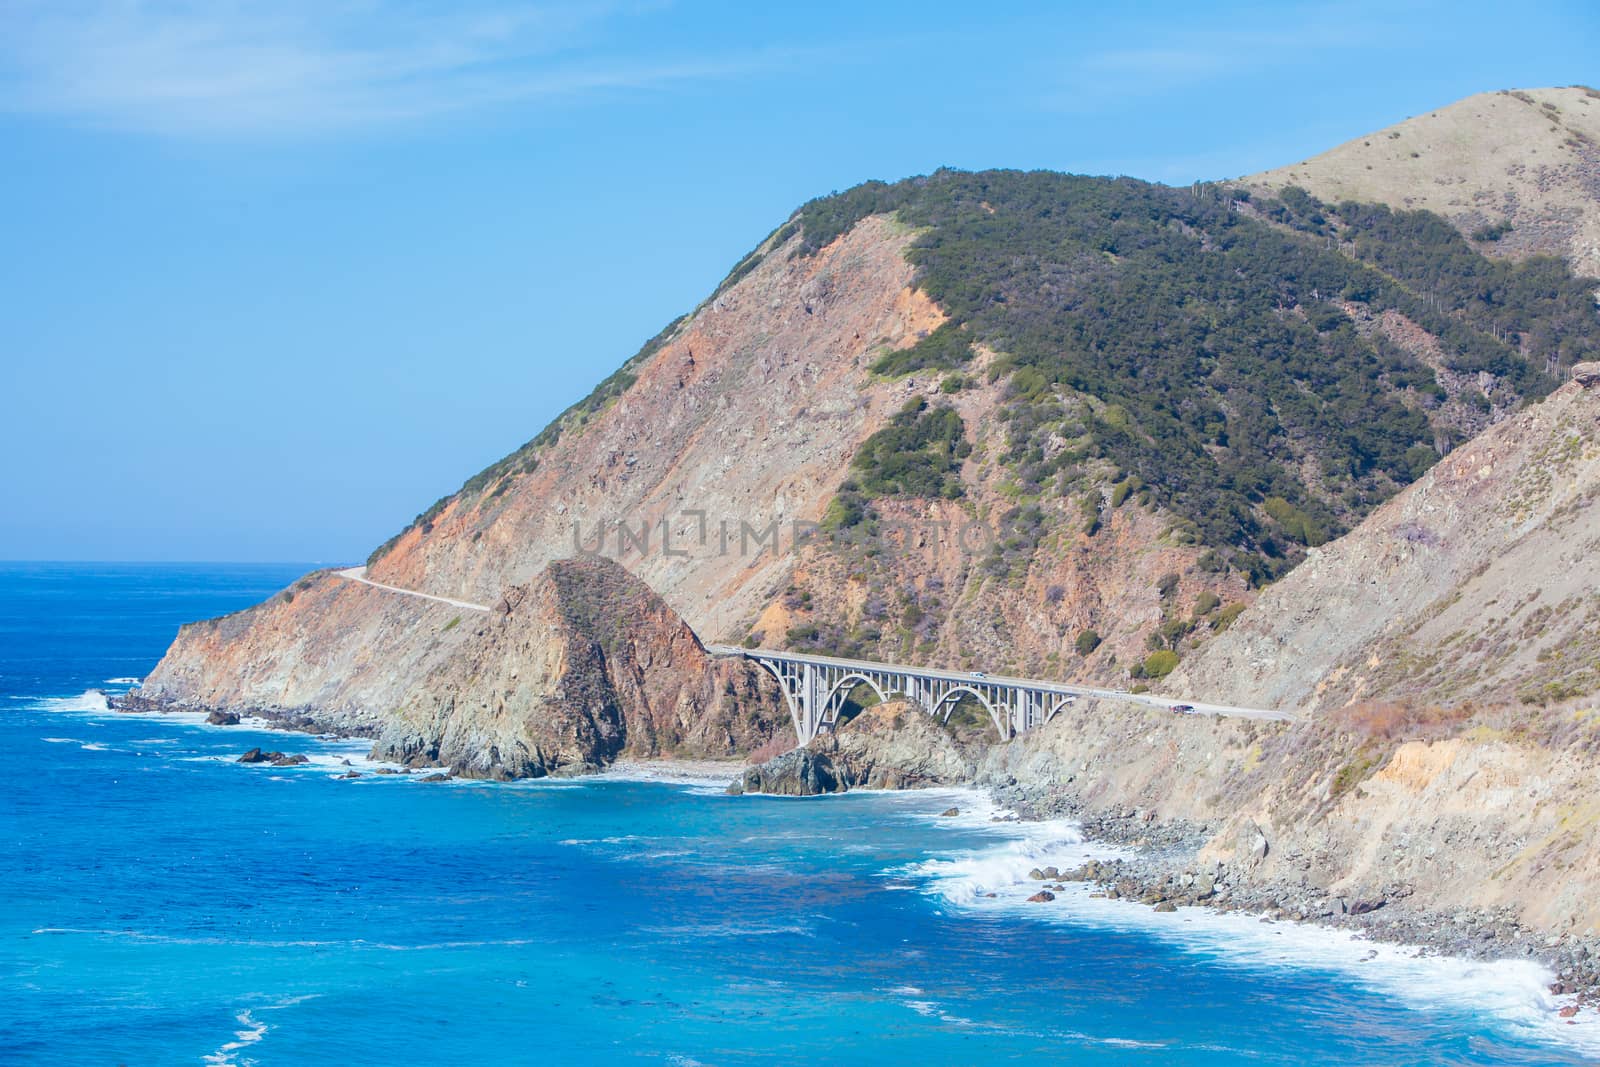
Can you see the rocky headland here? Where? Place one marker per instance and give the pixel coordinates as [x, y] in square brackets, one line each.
[582, 666]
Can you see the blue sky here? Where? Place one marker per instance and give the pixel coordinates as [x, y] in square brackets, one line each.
[276, 276]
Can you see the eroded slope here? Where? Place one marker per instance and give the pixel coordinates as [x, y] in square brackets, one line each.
[1477, 583]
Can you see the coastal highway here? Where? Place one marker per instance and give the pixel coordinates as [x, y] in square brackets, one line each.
[359, 574]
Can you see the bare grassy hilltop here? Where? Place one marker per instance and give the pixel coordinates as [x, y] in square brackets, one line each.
[1518, 171]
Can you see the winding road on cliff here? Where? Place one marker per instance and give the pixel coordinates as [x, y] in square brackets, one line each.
[359, 574]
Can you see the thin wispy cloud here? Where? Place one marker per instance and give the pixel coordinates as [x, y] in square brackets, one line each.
[297, 66]
[1171, 59]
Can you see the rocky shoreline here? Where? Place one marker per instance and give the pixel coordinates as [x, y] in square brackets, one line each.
[301, 722]
[1162, 866]
[1165, 871]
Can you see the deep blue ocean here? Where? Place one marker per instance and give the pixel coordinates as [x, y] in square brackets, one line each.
[163, 904]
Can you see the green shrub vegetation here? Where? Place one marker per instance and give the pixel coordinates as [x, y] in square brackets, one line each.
[1160, 664]
[1090, 506]
[1087, 642]
[1295, 523]
[1172, 632]
[946, 348]
[1491, 232]
[847, 509]
[918, 454]
[1119, 495]
[1206, 603]
[1213, 341]
[1355, 772]
[1225, 618]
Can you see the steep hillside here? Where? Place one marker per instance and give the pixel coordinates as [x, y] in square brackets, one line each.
[1040, 423]
[1518, 171]
[1476, 584]
[738, 416]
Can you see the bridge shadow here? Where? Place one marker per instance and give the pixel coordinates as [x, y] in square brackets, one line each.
[969, 722]
[861, 697]
[966, 719]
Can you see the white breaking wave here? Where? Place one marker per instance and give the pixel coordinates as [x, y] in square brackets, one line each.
[1515, 993]
[87, 746]
[90, 700]
[123, 681]
[252, 1032]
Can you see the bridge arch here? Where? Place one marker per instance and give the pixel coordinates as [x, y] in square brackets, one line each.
[949, 698]
[1058, 706]
[791, 697]
[842, 687]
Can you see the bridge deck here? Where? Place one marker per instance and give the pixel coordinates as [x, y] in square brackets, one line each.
[1030, 685]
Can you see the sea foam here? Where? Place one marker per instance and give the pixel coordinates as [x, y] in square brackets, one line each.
[1514, 992]
[90, 700]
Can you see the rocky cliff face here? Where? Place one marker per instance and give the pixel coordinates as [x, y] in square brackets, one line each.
[326, 650]
[1475, 584]
[588, 666]
[1445, 782]
[1475, 840]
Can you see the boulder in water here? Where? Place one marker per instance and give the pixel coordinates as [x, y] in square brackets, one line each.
[799, 773]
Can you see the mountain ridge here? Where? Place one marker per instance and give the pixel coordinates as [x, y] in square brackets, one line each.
[1150, 401]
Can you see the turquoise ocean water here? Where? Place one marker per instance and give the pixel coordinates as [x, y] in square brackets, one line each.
[162, 904]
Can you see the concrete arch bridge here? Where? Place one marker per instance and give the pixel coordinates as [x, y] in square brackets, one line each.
[817, 688]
